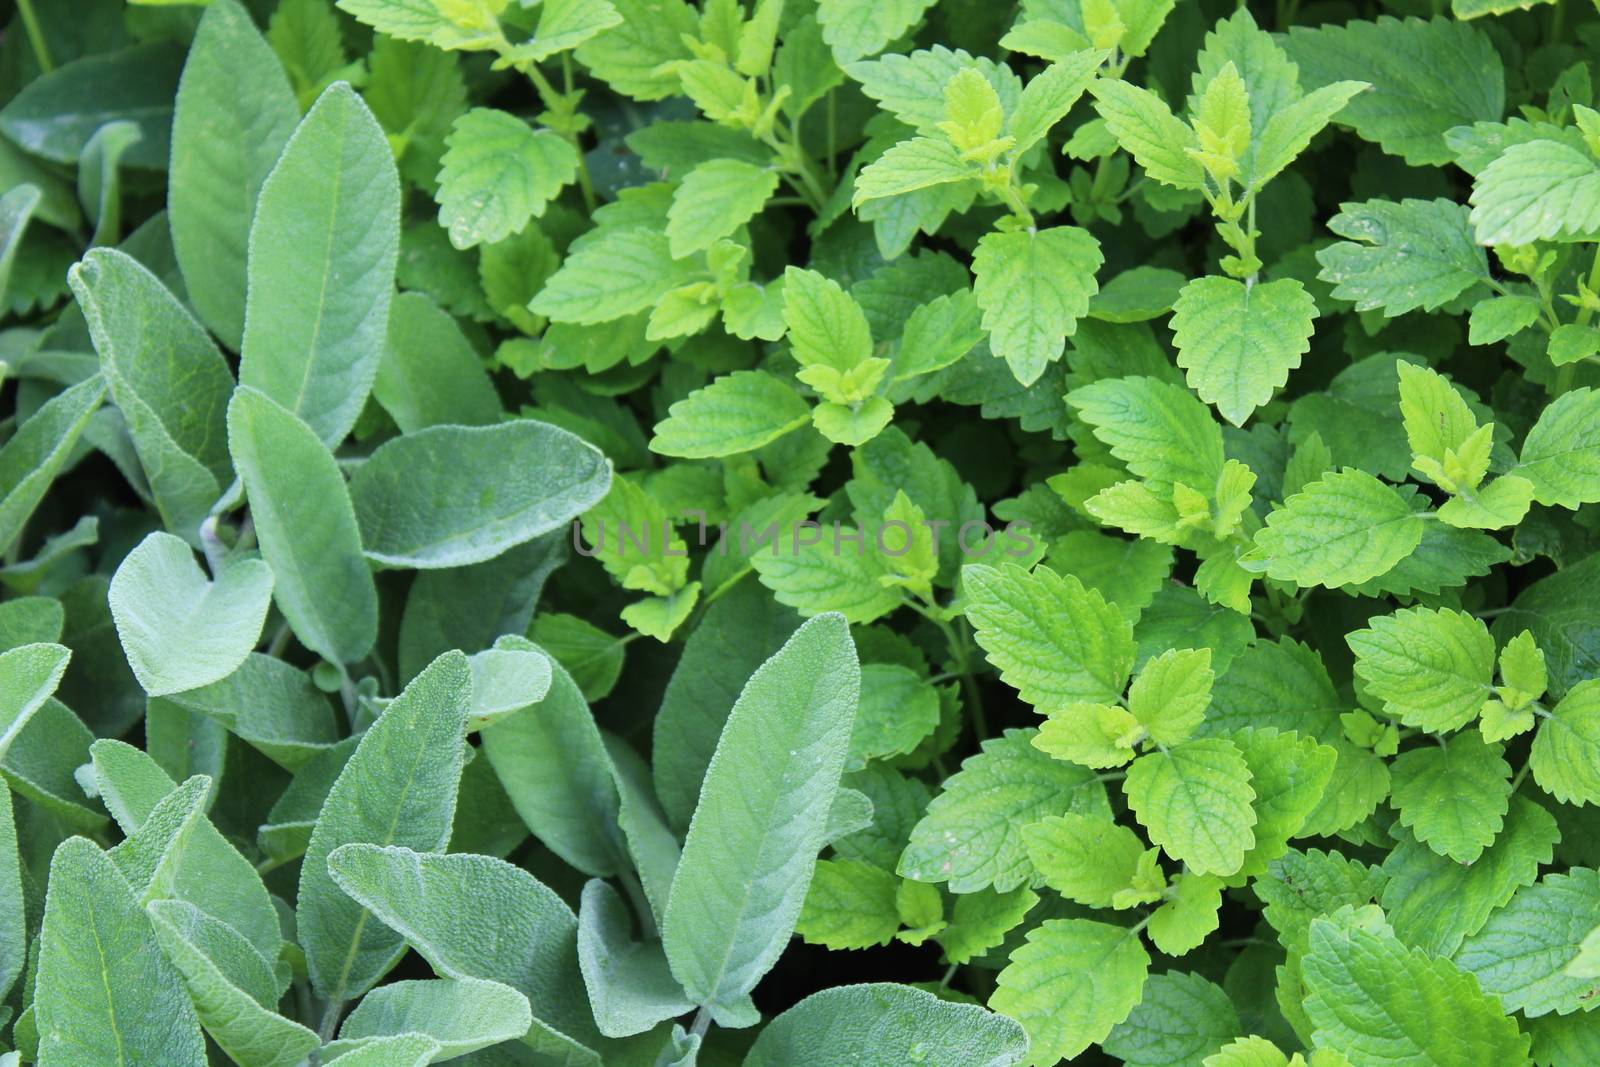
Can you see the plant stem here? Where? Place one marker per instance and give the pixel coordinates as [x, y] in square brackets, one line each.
[30, 22]
[551, 97]
[330, 1020]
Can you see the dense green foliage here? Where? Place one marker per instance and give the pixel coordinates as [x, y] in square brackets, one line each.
[794, 533]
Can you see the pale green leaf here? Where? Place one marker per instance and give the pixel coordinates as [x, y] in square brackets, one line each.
[910, 165]
[816, 569]
[1145, 126]
[1171, 694]
[104, 992]
[166, 377]
[857, 28]
[850, 904]
[1157, 428]
[234, 112]
[552, 761]
[441, 903]
[1566, 752]
[306, 526]
[488, 489]
[1086, 858]
[1561, 454]
[323, 248]
[888, 1023]
[1537, 191]
[1430, 667]
[399, 788]
[232, 986]
[632, 57]
[1195, 801]
[617, 271]
[179, 629]
[1049, 96]
[461, 1014]
[753, 844]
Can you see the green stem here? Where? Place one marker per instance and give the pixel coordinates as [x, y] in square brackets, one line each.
[30, 22]
[330, 1020]
[1517, 781]
[551, 97]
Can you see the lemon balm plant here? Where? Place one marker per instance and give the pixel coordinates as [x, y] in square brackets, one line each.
[800, 533]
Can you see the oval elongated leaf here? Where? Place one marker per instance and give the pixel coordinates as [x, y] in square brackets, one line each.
[13, 923]
[306, 526]
[35, 454]
[224, 977]
[399, 788]
[206, 870]
[629, 983]
[168, 380]
[28, 675]
[739, 633]
[461, 1014]
[486, 489]
[400, 1050]
[430, 374]
[57, 115]
[323, 247]
[105, 993]
[441, 903]
[233, 115]
[888, 1023]
[553, 764]
[762, 814]
[505, 680]
[179, 629]
[271, 705]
